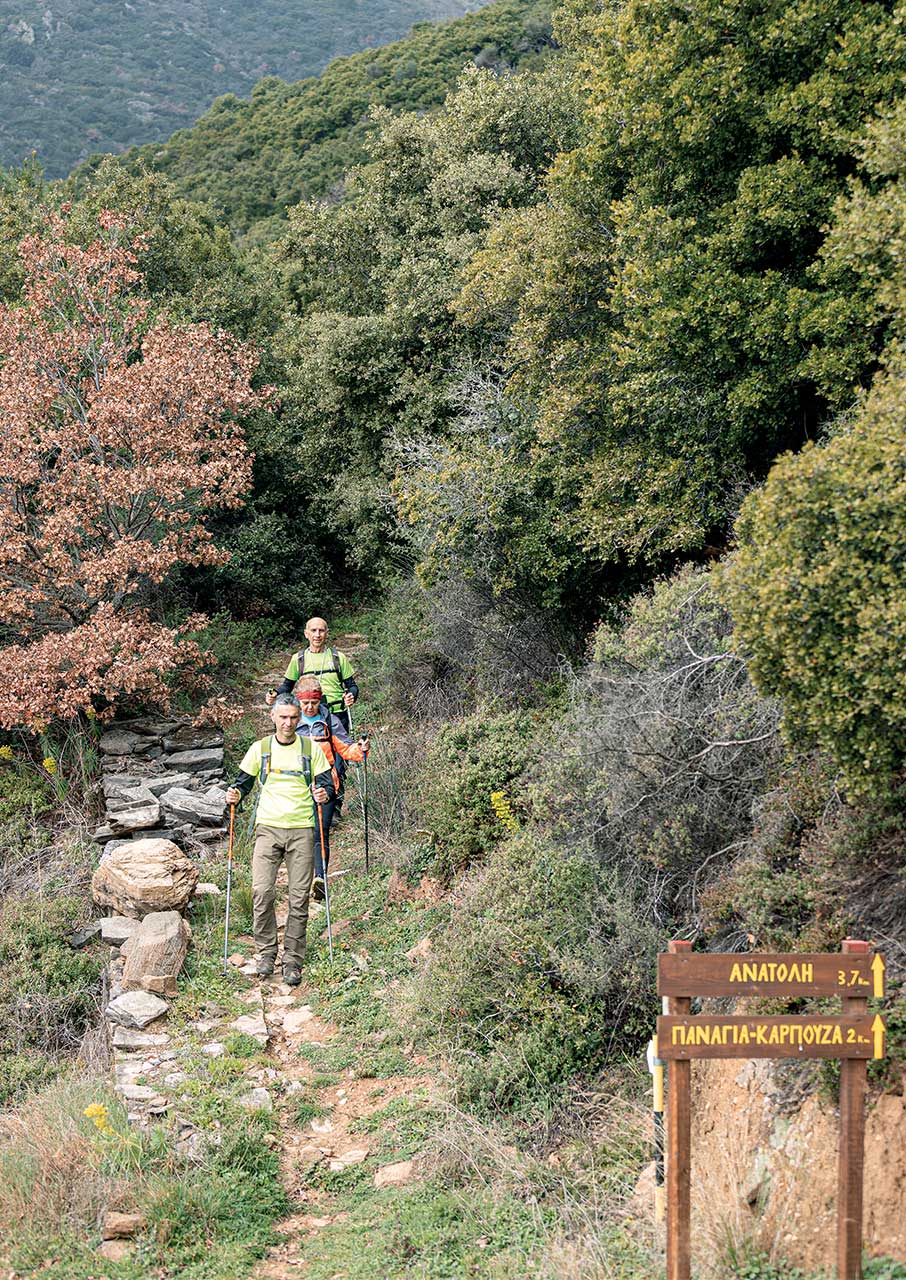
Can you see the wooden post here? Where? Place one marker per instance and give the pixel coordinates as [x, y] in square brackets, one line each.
[679, 1142]
[851, 1153]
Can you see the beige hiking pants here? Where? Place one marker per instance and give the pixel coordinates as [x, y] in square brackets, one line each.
[273, 845]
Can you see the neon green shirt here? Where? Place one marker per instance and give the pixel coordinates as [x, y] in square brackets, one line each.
[321, 665]
[285, 799]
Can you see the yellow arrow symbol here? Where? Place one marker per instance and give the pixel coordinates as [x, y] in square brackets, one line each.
[877, 1031]
[877, 969]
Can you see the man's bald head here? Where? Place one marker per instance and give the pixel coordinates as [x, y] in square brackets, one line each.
[316, 634]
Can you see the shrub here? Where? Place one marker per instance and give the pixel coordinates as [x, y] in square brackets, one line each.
[544, 970]
[464, 765]
[23, 789]
[667, 746]
[817, 589]
[49, 994]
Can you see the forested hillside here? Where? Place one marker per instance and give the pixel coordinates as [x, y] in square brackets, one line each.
[82, 77]
[253, 158]
[576, 393]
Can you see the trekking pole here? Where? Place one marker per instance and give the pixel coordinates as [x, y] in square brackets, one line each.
[324, 874]
[226, 928]
[364, 798]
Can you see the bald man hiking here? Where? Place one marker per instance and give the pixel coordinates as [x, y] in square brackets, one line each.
[295, 776]
[331, 669]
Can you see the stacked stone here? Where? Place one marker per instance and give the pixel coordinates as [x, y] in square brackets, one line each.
[164, 779]
[164, 793]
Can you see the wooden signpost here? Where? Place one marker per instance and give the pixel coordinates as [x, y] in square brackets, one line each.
[854, 975]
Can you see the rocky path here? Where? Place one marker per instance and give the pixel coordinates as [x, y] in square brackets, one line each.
[234, 1040]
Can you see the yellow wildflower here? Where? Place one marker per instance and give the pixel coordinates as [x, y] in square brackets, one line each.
[50, 765]
[6, 753]
[98, 1113]
[501, 807]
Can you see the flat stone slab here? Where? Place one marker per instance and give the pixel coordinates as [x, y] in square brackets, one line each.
[123, 1038]
[295, 1019]
[182, 805]
[133, 812]
[119, 742]
[115, 930]
[114, 784]
[346, 1159]
[195, 761]
[252, 1024]
[164, 781]
[395, 1175]
[256, 1100]
[191, 738]
[135, 1009]
[81, 937]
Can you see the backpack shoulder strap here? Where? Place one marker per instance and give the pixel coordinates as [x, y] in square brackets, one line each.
[306, 759]
[265, 759]
[336, 665]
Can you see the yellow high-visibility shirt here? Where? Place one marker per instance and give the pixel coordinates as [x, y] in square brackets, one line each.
[285, 799]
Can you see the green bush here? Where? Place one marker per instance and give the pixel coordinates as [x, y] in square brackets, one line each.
[49, 993]
[23, 793]
[544, 971]
[465, 764]
[818, 594]
[21, 1073]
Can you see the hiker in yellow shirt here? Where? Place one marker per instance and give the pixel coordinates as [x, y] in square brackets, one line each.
[332, 669]
[295, 775]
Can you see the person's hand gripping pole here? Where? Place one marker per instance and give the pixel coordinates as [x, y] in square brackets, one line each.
[226, 927]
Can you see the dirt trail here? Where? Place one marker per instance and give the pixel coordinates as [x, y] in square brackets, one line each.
[327, 1139]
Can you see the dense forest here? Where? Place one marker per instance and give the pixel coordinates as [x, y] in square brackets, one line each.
[575, 372]
[80, 78]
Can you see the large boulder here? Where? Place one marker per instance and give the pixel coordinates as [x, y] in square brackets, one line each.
[144, 876]
[180, 805]
[156, 953]
[195, 761]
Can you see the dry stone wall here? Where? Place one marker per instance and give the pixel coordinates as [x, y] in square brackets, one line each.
[164, 801]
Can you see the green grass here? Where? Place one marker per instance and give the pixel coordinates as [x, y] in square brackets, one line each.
[428, 1232]
[208, 1220]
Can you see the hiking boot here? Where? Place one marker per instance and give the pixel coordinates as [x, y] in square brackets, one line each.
[317, 889]
[292, 975]
[264, 967]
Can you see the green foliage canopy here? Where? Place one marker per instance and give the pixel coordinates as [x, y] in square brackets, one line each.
[666, 307]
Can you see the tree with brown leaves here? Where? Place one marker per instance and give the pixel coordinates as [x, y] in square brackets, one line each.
[119, 436]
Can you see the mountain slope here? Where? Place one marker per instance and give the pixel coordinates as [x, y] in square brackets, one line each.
[254, 157]
[79, 76]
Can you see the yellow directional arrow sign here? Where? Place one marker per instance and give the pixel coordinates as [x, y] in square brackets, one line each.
[877, 1031]
[877, 972]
